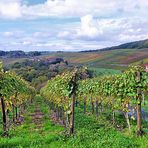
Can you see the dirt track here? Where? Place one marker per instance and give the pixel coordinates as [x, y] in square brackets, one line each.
[37, 118]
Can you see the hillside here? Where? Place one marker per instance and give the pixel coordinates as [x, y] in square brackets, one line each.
[132, 45]
[117, 57]
[112, 59]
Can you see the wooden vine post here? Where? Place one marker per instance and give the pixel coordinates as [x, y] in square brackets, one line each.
[101, 107]
[72, 115]
[97, 107]
[13, 113]
[92, 105]
[16, 113]
[4, 116]
[73, 94]
[139, 100]
[84, 105]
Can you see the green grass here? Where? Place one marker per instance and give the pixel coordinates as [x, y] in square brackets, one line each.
[26, 135]
[90, 132]
[145, 105]
[98, 132]
[103, 71]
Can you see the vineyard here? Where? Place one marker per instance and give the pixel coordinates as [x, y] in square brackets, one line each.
[117, 92]
[15, 95]
[73, 101]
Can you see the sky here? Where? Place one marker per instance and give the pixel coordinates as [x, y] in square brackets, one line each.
[71, 25]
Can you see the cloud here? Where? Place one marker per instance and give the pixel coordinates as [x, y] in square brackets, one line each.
[8, 34]
[72, 8]
[63, 34]
[71, 24]
[89, 28]
[42, 34]
[89, 33]
[118, 30]
[10, 9]
[12, 34]
[77, 8]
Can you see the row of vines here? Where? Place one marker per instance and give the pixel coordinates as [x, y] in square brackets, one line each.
[117, 92]
[15, 94]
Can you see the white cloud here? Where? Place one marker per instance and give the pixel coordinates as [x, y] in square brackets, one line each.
[73, 8]
[12, 34]
[89, 33]
[115, 30]
[8, 34]
[42, 34]
[63, 34]
[10, 9]
[70, 8]
[128, 37]
[89, 28]
[99, 23]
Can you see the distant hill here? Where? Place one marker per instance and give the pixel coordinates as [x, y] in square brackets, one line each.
[132, 45]
[117, 57]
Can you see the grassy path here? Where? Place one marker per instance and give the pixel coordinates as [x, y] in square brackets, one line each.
[37, 117]
[38, 131]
